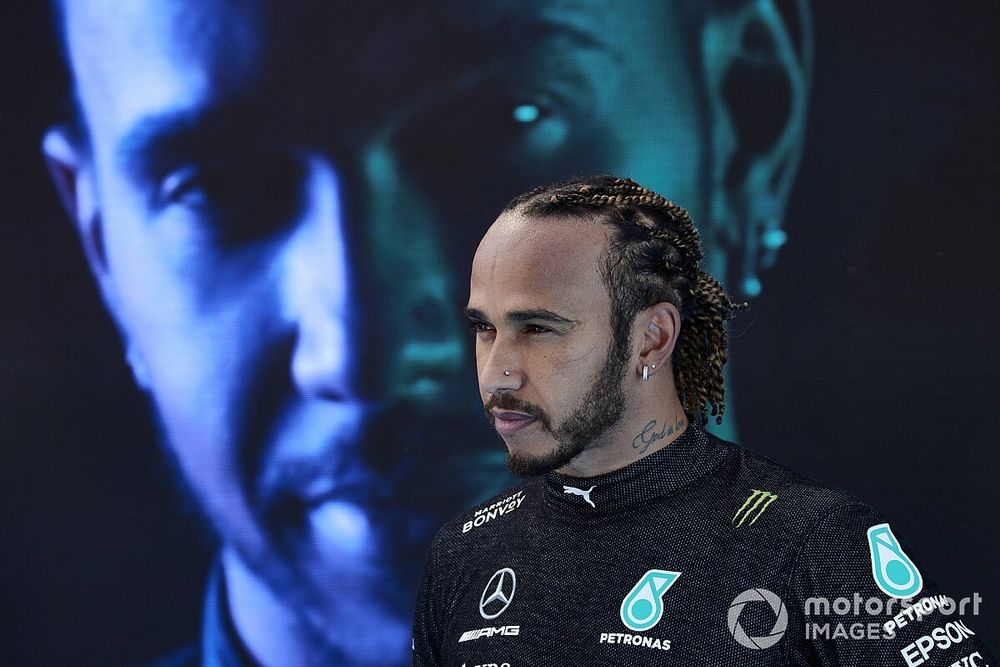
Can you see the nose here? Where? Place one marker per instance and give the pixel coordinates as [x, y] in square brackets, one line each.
[417, 346]
[500, 369]
[372, 291]
[318, 282]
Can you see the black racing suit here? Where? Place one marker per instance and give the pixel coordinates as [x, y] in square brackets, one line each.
[702, 553]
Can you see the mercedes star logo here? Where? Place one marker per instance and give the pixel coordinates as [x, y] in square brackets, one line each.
[498, 593]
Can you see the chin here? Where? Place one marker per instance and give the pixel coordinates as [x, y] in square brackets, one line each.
[528, 464]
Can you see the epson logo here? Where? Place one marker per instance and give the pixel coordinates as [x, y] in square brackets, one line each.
[508, 630]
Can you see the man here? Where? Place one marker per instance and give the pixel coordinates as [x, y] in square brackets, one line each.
[640, 538]
[274, 198]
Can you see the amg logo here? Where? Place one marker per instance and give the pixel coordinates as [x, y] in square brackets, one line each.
[509, 630]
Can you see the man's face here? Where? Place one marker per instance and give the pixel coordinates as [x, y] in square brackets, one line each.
[550, 375]
[286, 196]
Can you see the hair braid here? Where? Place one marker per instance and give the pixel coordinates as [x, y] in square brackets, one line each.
[655, 255]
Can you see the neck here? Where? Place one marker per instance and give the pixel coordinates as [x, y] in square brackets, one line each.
[268, 629]
[352, 625]
[654, 419]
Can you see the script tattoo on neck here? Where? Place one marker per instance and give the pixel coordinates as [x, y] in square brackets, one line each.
[648, 435]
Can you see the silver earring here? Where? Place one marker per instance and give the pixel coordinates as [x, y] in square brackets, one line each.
[645, 373]
[507, 373]
[652, 365]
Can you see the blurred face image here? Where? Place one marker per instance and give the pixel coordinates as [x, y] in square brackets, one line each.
[279, 202]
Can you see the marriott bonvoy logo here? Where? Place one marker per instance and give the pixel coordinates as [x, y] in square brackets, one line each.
[496, 510]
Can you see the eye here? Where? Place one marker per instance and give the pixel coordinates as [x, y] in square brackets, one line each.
[182, 187]
[480, 327]
[238, 200]
[527, 113]
[536, 329]
[503, 124]
[523, 133]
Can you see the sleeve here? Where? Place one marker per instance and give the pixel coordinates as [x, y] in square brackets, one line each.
[856, 597]
[427, 616]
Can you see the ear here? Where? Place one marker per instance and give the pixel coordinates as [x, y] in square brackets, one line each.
[72, 172]
[756, 63]
[658, 326]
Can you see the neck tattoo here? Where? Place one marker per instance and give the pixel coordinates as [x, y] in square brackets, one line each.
[649, 434]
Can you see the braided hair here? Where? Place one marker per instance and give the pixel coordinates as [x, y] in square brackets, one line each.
[654, 255]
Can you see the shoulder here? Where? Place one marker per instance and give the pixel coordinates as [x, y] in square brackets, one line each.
[835, 541]
[831, 532]
[467, 541]
[490, 519]
[800, 503]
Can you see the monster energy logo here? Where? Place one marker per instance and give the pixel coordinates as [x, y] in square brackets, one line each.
[754, 506]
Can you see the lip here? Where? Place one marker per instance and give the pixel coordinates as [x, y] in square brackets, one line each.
[354, 494]
[313, 490]
[509, 422]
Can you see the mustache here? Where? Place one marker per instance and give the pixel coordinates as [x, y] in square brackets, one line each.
[502, 401]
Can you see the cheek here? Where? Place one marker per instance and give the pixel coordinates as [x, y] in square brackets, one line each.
[573, 371]
[583, 356]
[200, 320]
[482, 350]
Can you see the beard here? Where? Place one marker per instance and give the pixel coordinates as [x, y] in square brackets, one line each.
[601, 408]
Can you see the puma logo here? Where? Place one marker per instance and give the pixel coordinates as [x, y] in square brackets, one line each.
[573, 491]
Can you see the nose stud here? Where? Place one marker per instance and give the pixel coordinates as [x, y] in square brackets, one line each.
[507, 373]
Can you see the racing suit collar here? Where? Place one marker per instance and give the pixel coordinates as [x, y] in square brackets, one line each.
[686, 459]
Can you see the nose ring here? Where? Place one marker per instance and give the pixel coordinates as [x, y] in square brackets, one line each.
[507, 373]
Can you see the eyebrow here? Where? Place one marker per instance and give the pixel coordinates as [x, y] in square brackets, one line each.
[152, 136]
[526, 315]
[506, 33]
[158, 139]
[540, 27]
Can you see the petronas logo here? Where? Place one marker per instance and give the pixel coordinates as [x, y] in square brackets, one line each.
[753, 507]
[642, 608]
[893, 570]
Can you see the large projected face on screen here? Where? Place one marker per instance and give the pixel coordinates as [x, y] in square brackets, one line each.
[280, 201]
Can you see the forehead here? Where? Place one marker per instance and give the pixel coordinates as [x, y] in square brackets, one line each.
[433, 84]
[193, 24]
[551, 263]
[132, 56]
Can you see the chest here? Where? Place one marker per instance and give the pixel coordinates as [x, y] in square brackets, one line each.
[648, 589]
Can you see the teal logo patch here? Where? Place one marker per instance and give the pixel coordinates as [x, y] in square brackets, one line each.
[642, 608]
[893, 570]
